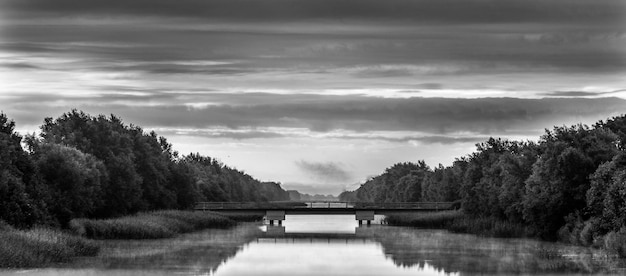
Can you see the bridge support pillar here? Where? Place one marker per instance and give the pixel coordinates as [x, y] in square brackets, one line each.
[272, 215]
[365, 215]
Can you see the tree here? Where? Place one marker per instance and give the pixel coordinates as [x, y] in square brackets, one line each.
[607, 195]
[74, 181]
[18, 180]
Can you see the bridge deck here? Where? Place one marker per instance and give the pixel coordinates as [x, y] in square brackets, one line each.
[319, 207]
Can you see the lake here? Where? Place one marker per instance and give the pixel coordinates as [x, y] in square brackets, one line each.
[335, 245]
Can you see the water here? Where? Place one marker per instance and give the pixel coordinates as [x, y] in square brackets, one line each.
[335, 245]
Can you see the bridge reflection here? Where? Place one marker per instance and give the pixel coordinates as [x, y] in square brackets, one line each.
[279, 232]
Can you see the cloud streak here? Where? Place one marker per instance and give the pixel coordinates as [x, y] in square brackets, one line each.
[323, 113]
[324, 171]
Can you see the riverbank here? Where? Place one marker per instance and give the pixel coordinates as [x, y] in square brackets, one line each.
[39, 247]
[154, 225]
[457, 222]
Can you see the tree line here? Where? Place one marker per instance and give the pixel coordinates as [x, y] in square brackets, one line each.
[98, 167]
[571, 184]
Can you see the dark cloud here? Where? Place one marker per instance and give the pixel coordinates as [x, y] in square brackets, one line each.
[19, 65]
[383, 73]
[429, 85]
[437, 36]
[465, 11]
[579, 93]
[436, 139]
[324, 171]
[432, 116]
[242, 134]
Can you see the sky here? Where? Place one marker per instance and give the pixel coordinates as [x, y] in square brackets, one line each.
[317, 94]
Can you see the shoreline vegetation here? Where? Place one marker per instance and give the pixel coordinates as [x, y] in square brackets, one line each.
[101, 178]
[154, 225]
[567, 186]
[456, 221]
[42, 246]
[38, 247]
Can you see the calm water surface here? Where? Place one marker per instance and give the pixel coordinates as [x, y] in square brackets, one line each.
[336, 245]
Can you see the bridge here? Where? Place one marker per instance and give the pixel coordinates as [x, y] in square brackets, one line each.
[364, 211]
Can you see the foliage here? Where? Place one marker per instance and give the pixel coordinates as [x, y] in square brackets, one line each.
[19, 205]
[74, 181]
[399, 183]
[81, 166]
[571, 185]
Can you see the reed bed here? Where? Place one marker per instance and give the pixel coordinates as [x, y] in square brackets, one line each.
[433, 220]
[151, 225]
[458, 222]
[40, 247]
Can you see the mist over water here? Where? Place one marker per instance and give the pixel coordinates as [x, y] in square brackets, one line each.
[335, 245]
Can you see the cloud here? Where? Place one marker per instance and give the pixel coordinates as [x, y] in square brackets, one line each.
[476, 36]
[438, 120]
[580, 93]
[19, 65]
[324, 171]
[454, 11]
[318, 188]
[429, 85]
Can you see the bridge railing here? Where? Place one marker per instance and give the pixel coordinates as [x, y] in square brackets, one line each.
[323, 204]
[247, 205]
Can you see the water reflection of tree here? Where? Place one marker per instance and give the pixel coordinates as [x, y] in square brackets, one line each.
[197, 253]
[471, 254]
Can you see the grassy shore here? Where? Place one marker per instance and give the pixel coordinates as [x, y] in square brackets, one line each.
[153, 225]
[39, 247]
[456, 221]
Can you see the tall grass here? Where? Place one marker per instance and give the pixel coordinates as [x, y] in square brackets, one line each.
[456, 221]
[435, 220]
[152, 225]
[40, 247]
[244, 217]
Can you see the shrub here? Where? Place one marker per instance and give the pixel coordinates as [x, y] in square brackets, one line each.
[615, 242]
